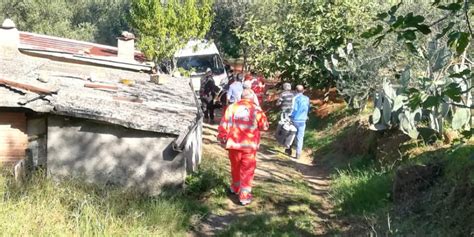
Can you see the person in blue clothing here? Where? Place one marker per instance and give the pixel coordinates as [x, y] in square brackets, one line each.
[234, 93]
[299, 115]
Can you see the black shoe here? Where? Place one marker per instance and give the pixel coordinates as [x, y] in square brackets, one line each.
[288, 151]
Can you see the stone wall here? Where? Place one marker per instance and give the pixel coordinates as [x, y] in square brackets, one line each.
[113, 155]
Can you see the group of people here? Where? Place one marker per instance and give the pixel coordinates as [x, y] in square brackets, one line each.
[243, 119]
[295, 106]
[234, 88]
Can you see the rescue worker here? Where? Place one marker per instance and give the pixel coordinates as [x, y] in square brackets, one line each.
[257, 85]
[239, 132]
[286, 100]
[207, 93]
[299, 115]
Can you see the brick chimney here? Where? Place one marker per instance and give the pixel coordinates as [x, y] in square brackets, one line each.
[126, 46]
[9, 37]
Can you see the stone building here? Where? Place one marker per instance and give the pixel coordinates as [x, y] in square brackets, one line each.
[94, 112]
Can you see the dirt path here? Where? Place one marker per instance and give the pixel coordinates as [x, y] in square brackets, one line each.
[272, 167]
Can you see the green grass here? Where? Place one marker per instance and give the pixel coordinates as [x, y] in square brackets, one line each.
[44, 207]
[285, 209]
[363, 189]
[281, 207]
[71, 208]
[447, 208]
[360, 191]
[267, 224]
[320, 134]
[460, 164]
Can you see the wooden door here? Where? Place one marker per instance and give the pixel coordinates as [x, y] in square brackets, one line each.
[13, 137]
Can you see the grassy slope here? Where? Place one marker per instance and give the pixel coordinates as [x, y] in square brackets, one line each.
[362, 184]
[72, 208]
[361, 190]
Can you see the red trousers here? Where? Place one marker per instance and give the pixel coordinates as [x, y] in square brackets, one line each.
[242, 164]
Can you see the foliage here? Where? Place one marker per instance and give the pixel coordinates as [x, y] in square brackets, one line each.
[445, 86]
[108, 17]
[165, 27]
[294, 41]
[99, 21]
[229, 16]
[185, 73]
[358, 73]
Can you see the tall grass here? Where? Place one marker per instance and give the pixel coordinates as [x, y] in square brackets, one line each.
[72, 208]
[360, 191]
[446, 209]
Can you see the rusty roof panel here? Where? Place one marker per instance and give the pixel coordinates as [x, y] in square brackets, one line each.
[50, 43]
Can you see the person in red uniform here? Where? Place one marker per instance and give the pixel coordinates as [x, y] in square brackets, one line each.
[239, 132]
[257, 85]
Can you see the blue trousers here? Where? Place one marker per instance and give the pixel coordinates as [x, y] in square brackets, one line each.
[300, 127]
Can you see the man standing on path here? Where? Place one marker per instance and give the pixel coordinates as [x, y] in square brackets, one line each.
[298, 116]
[235, 91]
[239, 131]
[207, 94]
[286, 100]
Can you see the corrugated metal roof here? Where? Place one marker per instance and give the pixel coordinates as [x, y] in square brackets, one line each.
[50, 43]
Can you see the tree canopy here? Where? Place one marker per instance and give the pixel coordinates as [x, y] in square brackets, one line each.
[98, 21]
[165, 27]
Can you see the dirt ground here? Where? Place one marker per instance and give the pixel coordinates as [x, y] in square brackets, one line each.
[272, 166]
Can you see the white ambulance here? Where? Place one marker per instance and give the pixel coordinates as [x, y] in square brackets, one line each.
[197, 56]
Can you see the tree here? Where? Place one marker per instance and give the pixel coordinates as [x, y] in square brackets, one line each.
[88, 20]
[292, 39]
[443, 92]
[229, 16]
[51, 19]
[108, 17]
[164, 27]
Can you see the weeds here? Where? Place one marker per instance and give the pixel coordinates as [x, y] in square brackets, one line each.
[267, 224]
[45, 208]
[361, 191]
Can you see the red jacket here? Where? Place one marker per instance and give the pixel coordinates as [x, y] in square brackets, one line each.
[240, 127]
[258, 86]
